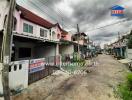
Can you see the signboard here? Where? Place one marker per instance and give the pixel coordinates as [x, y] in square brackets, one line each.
[36, 65]
[117, 11]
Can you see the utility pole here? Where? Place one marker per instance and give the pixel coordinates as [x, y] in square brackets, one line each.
[78, 38]
[6, 50]
[119, 38]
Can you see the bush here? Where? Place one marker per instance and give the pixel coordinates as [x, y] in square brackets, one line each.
[129, 81]
[125, 89]
[124, 92]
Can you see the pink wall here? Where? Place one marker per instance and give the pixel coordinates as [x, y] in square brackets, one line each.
[59, 32]
[36, 28]
[67, 37]
[81, 42]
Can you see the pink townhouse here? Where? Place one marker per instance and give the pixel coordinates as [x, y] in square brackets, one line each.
[83, 40]
[33, 36]
[34, 39]
[66, 44]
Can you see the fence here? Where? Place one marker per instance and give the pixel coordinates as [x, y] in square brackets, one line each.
[18, 75]
[22, 73]
[40, 68]
[53, 61]
[72, 62]
[74, 57]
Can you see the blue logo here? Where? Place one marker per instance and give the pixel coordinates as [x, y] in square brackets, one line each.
[117, 11]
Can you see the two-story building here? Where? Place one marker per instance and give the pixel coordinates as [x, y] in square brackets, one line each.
[66, 43]
[33, 36]
[82, 39]
[34, 40]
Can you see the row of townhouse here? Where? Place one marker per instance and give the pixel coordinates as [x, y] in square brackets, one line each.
[35, 42]
[118, 49]
[121, 49]
[35, 37]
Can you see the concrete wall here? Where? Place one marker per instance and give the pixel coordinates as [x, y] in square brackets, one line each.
[18, 79]
[66, 49]
[4, 7]
[68, 37]
[81, 42]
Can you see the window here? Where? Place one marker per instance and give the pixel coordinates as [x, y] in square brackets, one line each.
[30, 29]
[27, 28]
[74, 39]
[53, 32]
[43, 33]
[24, 52]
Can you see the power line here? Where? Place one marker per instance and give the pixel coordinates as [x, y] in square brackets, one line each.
[50, 9]
[46, 12]
[58, 12]
[109, 25]
[38, 8]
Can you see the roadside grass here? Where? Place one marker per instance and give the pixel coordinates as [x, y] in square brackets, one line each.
[124, 90]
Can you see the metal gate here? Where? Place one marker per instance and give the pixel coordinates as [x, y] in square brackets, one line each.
[40, 68]
[33, 77]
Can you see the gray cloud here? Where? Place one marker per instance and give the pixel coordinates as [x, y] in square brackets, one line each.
[104, 36]
[88, 14]
[93, 11]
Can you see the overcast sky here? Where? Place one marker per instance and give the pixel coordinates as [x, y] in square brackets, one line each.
[89, 14]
